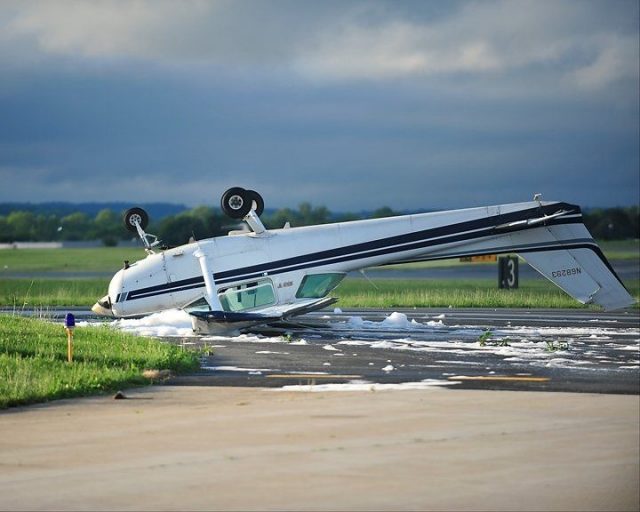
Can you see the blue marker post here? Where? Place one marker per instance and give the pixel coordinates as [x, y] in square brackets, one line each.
[69, 324]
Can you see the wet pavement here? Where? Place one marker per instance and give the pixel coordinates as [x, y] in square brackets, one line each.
[546, 350]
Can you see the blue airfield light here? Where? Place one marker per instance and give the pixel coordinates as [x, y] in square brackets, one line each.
[69, 324]
[69, 321]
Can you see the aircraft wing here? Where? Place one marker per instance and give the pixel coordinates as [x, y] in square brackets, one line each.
[212, 321]
[231, 318]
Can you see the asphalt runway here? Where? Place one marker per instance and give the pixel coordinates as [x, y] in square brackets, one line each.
[502, 349]
[457, 348]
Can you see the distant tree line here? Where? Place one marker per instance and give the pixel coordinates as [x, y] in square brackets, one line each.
[203, 222]
[62, 209]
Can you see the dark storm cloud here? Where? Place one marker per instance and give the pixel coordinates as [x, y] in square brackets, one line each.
[348, 104]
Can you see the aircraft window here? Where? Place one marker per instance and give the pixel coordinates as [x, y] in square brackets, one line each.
[198, 305]
[247, 296]
[317, 286]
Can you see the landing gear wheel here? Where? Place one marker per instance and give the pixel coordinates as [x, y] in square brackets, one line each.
[133, 215]
[236, 202]
[257, 202]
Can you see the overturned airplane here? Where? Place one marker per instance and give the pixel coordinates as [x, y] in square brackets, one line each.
[267, 275]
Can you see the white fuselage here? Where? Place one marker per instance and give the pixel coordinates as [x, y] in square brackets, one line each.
[278, 267]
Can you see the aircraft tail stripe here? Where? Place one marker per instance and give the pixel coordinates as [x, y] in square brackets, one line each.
[568, 244]
[303, 262]
[486, 223]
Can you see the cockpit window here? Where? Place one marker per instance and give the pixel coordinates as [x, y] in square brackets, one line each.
[198, 305]
[247, 296]
[317, 286]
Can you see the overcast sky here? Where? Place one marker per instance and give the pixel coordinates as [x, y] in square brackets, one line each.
[348, 104]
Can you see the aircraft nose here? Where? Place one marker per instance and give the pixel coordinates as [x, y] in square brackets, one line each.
[103, 307]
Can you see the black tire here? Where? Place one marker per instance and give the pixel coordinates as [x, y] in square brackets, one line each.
[135, 214]
[257, 202]
[236, 202]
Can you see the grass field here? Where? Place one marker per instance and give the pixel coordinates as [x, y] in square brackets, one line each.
[34, 367]
[389, 293]
[43, 293]
[103, 259]
[621, 249]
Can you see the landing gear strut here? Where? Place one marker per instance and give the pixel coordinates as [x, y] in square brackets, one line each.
[136, 220]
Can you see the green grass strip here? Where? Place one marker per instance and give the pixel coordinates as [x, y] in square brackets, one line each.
[45, 293]
[34, 367]
[99, 259]
[388, 293]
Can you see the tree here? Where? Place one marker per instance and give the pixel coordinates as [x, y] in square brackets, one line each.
[46, 227]
[75, 226]
[613, 223]
[385, 211]
[107, 227]
[212, 220]
[280, 217]
[6, 231]
[309, 215]
[22, 226]
[178, 229]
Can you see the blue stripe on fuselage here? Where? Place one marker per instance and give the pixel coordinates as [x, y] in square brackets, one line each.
[467, 230]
